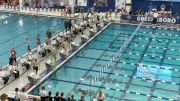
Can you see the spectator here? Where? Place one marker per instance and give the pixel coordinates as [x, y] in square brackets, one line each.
[82, 98]
[23, 96]
[72, 98]
[49, 98]
[4, 97]
[68, 99]
[100, 96]
[62, 97]
[57, 98]
[43, 93]
[16, 98]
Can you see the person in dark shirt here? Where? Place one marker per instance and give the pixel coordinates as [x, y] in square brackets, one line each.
[49, 34]
[72, 98]
[57, 98]
[28, 47]
[82, 98]
[10, 60]
[49, 97]
[69, 24]
[66, 25]
[75, 32]
[68, 99]
[62, 97]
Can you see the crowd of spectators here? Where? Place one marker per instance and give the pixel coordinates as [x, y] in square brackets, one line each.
[163, 14]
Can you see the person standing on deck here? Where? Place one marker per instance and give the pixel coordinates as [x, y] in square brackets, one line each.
[38, 40]
[47, 40]
[23, 96]
[101, 96]
[35, 65]
[49, 33]
[13, 55]
[43, 94]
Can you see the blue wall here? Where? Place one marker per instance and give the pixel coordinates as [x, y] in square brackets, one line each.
[146, 5]
[90, 4]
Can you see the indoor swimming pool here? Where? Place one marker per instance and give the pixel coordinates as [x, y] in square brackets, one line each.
[19, 30]
[148, 70]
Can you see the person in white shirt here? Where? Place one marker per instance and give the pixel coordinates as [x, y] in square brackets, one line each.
[43, 93]
[53, 43]
[30, 57]
[24, 62]
[85, 22]
[16, 97]
[23, 96]
[21, 61]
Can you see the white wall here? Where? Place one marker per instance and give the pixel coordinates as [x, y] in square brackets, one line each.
[128, 1]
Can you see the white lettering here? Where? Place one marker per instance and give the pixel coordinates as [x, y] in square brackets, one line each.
[168, 20]
[161, 20]
[173, 20]
[138, 18]
[164, 20]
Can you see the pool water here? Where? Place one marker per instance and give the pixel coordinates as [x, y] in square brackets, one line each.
[16, 28]
[157, 49]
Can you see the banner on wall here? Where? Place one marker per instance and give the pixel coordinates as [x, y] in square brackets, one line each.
[82, 2]
[120, 4]
[149, 19]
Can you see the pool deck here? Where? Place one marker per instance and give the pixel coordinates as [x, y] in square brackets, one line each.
[22, 81]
